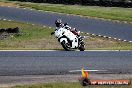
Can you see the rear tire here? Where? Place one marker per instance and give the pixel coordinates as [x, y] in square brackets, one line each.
[65, 46]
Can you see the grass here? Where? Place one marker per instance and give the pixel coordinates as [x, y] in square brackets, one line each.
[69, 85]
[32, 37]
[114, 13]
[36, 37]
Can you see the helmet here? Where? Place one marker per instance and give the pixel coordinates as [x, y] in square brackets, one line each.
[58, 22]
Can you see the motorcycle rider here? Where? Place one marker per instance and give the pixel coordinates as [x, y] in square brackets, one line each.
[59, 24]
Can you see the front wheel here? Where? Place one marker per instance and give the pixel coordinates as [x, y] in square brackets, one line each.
[82, 46]
[66, 46]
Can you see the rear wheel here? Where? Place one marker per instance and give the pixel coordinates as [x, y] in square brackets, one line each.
[66, 46]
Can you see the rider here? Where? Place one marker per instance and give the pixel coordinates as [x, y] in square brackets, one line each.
[59, 24]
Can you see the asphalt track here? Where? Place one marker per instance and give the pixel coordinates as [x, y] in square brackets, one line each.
[96, 26]
[16, 63]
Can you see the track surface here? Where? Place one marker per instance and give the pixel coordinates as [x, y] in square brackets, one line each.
[61, 62]
[107, 28]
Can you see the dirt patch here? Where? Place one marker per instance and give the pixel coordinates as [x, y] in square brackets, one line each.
[8, 4]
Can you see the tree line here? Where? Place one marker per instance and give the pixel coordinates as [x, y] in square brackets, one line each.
[72, 2]
[122, 3]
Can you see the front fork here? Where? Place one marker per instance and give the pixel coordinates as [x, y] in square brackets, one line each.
[81, 42]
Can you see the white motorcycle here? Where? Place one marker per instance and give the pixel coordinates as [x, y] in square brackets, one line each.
[68, 40]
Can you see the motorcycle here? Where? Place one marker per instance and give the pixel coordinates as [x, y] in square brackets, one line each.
[68, 40]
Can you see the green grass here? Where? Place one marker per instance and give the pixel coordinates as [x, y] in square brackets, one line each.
[32, 37]
[69, 85]
[114, 13]
[38, 37]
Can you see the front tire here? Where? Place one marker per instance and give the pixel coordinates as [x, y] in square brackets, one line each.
[66, 46]
[82, 46]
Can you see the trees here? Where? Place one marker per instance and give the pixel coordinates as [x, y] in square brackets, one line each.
[85, 2]
[53, 1]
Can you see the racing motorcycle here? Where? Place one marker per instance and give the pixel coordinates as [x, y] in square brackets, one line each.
[68, 40]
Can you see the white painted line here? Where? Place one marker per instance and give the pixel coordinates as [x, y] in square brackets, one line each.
[104, 50]
[75, 51]
[86, 36]
[99, 35]
[86, 70]
[79, 15]
[59, 13]
[17, 7]
[9, 20]
[40, 10]
[125, 21]
[109, 19]
[104, 36]
[46, 11]
[95, 17]
[107, 50]
[115, 38]
[4, 19]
